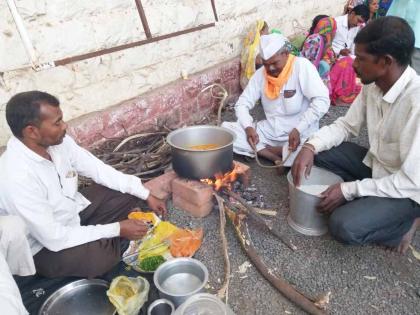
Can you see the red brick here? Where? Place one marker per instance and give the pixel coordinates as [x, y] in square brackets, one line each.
[196, 211]
[193, 191]
[161, 186]
[244, 173]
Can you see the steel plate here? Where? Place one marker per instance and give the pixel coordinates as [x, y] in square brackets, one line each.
[81, 297]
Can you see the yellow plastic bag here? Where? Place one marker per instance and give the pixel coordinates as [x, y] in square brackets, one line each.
[128, 295]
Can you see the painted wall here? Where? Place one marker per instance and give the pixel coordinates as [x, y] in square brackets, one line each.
[60, 29]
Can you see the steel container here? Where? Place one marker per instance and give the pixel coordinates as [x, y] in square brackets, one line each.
[199, 164]
[180, 278]
[203, 303]
[81, 297]
[161, 307]
[303, 216]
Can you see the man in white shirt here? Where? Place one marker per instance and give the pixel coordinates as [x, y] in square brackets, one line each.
[379, 199]
[294, 99]
[15, 258]
[70, 234]
[347, 28]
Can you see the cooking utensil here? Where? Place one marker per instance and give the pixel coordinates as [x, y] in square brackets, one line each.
[161, 307]
[199, 164]
[203, 303]
[180, 278]
[81, 297]
[303, 216]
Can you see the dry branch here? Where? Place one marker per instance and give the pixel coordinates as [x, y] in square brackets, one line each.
[279, 283]
[144, 155]
[254, 214]
[223, 291]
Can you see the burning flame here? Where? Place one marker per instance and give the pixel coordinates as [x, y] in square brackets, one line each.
[222, 180]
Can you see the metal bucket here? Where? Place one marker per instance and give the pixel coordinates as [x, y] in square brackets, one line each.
[303, 216]
[198, 164]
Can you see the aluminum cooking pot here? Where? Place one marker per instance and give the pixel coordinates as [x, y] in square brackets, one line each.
[198, 164]
[303, 216]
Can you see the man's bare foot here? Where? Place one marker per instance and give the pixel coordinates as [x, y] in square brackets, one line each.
[408, 237]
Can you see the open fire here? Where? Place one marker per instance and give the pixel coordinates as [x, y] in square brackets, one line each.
[223, 180]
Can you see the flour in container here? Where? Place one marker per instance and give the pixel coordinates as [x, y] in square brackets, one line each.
[315, 190]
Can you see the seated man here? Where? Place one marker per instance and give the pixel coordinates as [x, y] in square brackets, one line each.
[343, 84]
[379, 200]
[38, 183]
[293, 96]
[15, 258]
[348, 26]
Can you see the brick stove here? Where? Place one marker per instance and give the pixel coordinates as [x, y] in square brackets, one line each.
[192, 196]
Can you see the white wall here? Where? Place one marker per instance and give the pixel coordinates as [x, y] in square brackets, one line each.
[60, 28]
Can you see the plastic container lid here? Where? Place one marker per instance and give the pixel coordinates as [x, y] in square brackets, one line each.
[203, 304]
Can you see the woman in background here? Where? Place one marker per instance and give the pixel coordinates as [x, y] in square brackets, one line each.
[317, 46]
[351, 4]
[373, 9]
[250, 60]
[382, 6]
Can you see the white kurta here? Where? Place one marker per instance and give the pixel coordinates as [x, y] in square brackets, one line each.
[393, 125]
[344, 36]
[14, 245]
[302, 102]
[15, 258]
[44, 193]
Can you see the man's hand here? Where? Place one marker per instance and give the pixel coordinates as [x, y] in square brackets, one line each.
[252, 136]
[332, 198]
[157, 205]
[345, 52]
[294, 139]
[303, 163]
[133, 229]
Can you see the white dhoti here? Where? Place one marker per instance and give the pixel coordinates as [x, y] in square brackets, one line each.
[241, 145]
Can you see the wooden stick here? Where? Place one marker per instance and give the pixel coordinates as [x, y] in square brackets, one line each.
[268, 212]
[278, 282]
[253, 214]
[223, 291]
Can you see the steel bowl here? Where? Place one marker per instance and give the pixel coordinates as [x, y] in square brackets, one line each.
[81, 297]
[303, 216]
[204, 303]
[180, 278]
[161, 307]
[199, 164]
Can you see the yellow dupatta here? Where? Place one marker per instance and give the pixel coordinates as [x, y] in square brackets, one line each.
[250, 52]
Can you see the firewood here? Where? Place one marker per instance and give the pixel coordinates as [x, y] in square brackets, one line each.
[254, 215]
[223, 291]
[278, 282]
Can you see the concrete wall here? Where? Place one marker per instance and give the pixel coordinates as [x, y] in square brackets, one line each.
[60, 29]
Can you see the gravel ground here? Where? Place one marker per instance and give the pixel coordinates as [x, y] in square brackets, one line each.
[362, 280]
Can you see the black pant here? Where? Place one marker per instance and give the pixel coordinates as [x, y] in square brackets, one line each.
[94, 258]
[365, 220]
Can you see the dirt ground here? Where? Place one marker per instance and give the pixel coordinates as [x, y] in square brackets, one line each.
[362, 280]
